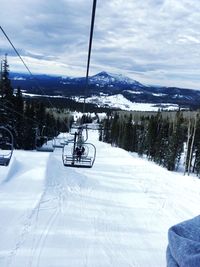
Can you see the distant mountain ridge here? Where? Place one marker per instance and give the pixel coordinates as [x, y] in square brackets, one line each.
[104, 78]
[109, 84]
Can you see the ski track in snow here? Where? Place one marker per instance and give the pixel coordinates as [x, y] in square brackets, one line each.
[115, 214]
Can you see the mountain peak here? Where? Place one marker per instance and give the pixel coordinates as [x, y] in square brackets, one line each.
[102, 73]
[104, 77]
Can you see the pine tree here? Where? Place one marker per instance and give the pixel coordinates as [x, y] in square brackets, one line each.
[128, 134]
[152, 131]
[162, 141]
[141, 134]
[115, 130]
[192, 145]
[6, 88]
[107, 130]
[7, 98]
[188, 143]
[29, 127]
[176, 140]
[19, 112]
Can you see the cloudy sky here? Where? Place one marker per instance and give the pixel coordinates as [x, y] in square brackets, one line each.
[152, 41]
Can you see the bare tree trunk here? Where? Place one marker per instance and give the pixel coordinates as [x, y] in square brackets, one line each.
[192, 144]
[187, 146]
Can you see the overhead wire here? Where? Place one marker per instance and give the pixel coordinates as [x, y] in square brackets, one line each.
[88, 60]
[89, 51]
[16, 51]
[18, 113]
[28, 69]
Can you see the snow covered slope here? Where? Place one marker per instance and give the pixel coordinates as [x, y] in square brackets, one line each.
[120, 102]
[115, 214]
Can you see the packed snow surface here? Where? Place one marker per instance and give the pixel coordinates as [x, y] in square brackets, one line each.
[114, 214]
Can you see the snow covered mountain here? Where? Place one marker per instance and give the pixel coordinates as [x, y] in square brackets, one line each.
[109, 84]
[104, 78]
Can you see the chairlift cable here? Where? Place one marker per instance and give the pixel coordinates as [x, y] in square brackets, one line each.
[16, 51]
[18, 113]
[89, 51]
[28, 69]
[73, 154]
[34, 121]
[24, 117]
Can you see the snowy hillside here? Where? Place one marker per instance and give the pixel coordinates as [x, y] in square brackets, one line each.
[115, 214]
[120, 102]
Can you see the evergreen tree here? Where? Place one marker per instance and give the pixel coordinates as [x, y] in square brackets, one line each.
[176, 140]
[115, 130]
[152, 132]
[29, 127]
[141, 134]
[7, 98]
[128, 134]
[162, 142]
[6, 88]
[19, 111]
[107, 130]
[100, 132]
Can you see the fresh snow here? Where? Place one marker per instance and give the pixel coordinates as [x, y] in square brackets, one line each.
[119, 101]
[116, 101]
[19, 78]
[114, 214]
[133, 92]
[38, 95]
[160, 94]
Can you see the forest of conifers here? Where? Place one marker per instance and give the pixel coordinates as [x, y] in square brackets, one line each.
[163, 137]
[25, 117]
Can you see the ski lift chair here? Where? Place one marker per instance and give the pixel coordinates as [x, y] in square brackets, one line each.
[77, 156]
[6, 146]
[58, 142]
[43, 143]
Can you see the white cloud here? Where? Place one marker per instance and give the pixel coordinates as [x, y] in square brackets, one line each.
[155, 41]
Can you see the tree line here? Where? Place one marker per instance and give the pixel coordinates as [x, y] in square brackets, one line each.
[26, 117]
[163, 139]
